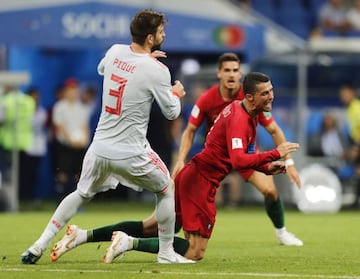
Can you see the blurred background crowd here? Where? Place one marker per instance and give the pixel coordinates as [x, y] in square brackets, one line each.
[50, 93]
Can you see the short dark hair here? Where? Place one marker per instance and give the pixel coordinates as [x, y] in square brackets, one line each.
[144, 23]
[227, 56]
[348, 86]
[32, 90]
[251, 80]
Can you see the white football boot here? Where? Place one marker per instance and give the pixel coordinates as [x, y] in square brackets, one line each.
[32, 255]
[288, 239]
[173, 258]
[121, 243]
[67, 243]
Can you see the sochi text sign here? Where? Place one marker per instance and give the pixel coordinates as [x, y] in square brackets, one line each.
[90, 25]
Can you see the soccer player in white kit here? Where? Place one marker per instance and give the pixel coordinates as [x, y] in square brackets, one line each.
[120, 151]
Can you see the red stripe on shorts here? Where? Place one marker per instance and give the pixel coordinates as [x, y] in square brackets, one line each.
[158, 162]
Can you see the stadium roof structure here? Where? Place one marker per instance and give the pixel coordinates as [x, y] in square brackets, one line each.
[202, 25]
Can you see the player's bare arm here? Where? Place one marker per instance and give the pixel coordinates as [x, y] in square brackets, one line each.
[186, 142]
[278, 137]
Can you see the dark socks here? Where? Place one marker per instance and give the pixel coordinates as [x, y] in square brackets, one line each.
[133, 228]
[151, 245]
[275, 211]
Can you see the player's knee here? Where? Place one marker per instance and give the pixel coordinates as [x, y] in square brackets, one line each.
[86, 197]
[167, 192]
[271, 194]
[200, 254]
[196, 251]
[195, 254]
[150, 228]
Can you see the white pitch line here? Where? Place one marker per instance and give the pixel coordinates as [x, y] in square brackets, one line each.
[224, 274]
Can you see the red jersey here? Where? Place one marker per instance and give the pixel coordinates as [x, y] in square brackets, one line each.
[231, 144]
[210, 104]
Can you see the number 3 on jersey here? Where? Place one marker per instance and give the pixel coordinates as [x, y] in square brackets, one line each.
[117, 94]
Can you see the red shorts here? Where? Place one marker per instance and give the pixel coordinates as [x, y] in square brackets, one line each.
[246, 173]
[195, 201]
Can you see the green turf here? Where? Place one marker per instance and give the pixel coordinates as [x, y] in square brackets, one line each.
[243, 246]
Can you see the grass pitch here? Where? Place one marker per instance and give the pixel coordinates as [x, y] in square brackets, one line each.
[243, 246]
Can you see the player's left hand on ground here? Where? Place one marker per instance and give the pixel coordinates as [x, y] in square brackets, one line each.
[277, 167]
[158, 54]
[293, 175]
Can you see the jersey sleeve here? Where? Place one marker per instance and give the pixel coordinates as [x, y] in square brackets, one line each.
[197, 113]
[168, 102]
[237, 142]
[265, 118]
[264, 168]
[101, 65]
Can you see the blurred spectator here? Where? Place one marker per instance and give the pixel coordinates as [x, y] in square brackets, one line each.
[89, 99]
[31, 158]
[353, 16]
[349, 98]
[71, 122]
[16, 129]
[329, 141]
[2, 121]
[59, 93]
[333, 18]
[16, 126]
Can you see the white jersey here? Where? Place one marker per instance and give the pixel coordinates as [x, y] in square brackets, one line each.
[131, 83]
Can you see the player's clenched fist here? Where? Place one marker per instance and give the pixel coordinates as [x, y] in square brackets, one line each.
[179, 89]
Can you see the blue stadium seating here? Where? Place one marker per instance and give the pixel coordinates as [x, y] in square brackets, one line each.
[299, 16]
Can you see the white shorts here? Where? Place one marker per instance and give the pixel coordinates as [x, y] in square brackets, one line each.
[145, 171]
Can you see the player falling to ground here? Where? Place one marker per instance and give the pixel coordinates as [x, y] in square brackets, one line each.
[207, 107]
[230, 145]
[120, 151]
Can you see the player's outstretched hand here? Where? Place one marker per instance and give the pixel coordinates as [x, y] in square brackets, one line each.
[179, 88]
[287, 147]
[293, 175]
[277, 167]
[158, 54]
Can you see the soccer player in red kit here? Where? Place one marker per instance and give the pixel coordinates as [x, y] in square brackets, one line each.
[230, 145]
[207, 108]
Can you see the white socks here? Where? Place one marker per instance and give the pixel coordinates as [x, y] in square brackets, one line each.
[165, 216]
[63, 213]
[280, 231]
